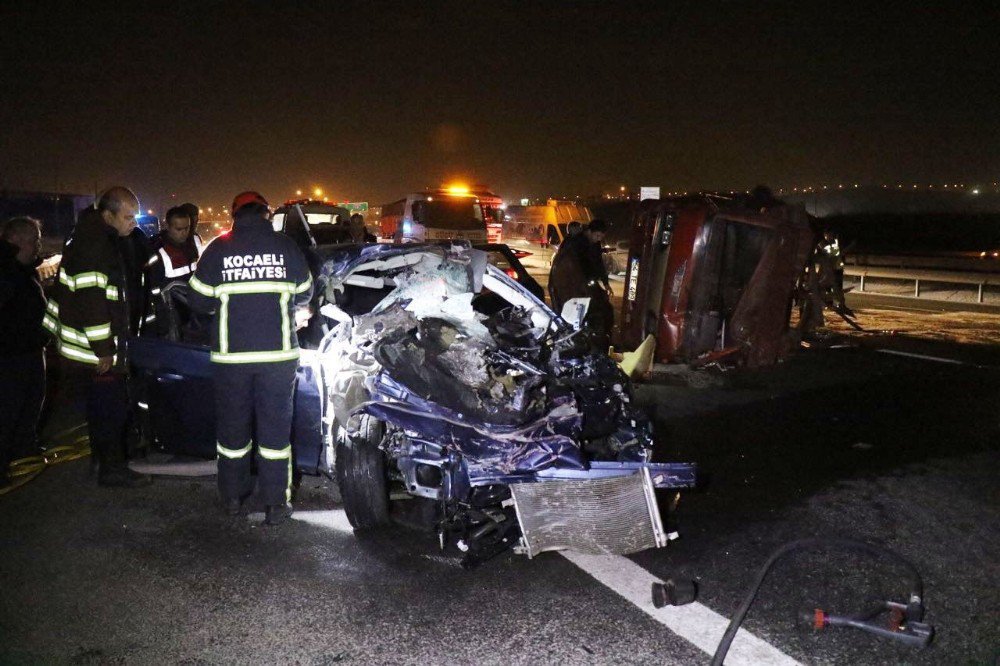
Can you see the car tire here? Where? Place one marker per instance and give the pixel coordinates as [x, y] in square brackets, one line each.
[362, 476]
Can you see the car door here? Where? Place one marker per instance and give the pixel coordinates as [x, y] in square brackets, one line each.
[173, 390]
[172, 387]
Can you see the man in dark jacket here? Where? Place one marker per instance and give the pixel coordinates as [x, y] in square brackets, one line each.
[600, 315]
[89, 316]
[256, 284]
[578, 272]
[22, 341]
[136, 249]
[596, 272]
[566, 277]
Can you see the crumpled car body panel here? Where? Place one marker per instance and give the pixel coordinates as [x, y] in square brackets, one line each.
[534, 411]
[489, 451]
[499, 412]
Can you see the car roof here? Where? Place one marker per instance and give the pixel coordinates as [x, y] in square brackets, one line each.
[342, 258]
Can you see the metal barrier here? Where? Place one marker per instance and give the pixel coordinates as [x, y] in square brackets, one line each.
[987, 285]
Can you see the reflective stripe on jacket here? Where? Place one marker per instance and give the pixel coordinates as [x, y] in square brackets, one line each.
[87, 312]
[174, 262]
[252, 279]
[832, 250]
[170, 263]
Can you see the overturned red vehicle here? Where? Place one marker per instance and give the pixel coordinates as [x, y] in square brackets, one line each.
[713, 279]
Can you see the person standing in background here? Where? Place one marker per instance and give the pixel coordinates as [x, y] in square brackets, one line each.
[194, 213]
[359, 234]
[830, 261]
[600, 315]
[566, 277]
[22, 341]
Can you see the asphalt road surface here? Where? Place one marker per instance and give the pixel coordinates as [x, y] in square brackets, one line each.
[889, 436]
[846, 441]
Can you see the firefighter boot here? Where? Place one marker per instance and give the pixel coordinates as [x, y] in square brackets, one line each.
[233, 506]
[275, 514]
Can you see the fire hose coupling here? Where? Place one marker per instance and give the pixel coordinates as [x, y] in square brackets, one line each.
[903, 623]
[674, 592]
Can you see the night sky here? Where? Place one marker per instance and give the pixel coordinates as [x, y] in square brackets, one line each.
[375, 100]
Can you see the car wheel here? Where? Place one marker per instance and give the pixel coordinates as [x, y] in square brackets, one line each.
[362, 476]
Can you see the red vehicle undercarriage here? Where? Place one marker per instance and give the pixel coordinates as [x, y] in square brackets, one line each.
[711, 280]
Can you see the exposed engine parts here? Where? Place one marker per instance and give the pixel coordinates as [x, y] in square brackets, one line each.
[477, 387]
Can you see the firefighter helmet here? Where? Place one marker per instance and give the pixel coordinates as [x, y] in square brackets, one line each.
[248, 197]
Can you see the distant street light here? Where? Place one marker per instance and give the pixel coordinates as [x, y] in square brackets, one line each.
[318, 192]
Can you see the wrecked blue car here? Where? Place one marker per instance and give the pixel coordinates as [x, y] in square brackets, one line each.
[439, 380]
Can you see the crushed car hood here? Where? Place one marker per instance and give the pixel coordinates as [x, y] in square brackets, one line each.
[510, 391]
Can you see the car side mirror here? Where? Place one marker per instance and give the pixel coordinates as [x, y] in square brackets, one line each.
[574, 311]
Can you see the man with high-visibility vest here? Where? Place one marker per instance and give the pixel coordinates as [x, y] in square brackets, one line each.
[256, 284]
[173, 261]
[831, 270]
[89, 315]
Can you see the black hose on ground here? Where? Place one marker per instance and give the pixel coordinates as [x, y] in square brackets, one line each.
[916, 582]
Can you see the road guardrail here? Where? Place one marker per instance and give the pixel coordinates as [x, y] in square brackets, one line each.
[927, 284]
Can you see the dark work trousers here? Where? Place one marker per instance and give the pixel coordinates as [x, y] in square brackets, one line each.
[22, 392]
[109, 413]
[255, 394]
[600, 318]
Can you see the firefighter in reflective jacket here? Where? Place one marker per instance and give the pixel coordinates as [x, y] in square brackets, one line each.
[830, 268]
[256, 284]
[89, 313]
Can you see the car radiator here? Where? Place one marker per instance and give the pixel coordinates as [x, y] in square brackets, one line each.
[613, 515]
